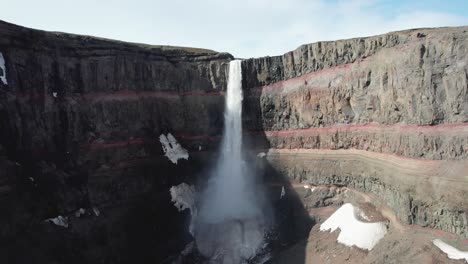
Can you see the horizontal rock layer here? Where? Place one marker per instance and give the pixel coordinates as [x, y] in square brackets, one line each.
[421, 192]
[386, 114]
[66, 90]
[80, 120]
[446, 141]
[414, 77]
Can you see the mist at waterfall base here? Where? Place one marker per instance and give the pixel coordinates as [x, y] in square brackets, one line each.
[231, 223]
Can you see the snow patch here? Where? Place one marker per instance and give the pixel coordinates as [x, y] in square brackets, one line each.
[311, 188]
[54, 94]
[283, 192]
[80, 212]
[3, 72]
[261, 155]
[352, 231]
[96, 211]
[183, 197]
[452, 252]
[172, 149]
[59, 220]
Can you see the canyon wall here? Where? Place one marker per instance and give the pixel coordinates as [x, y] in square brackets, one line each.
[80, 121]
[387, 114]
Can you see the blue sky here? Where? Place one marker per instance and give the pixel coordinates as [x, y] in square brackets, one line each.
[245, 28]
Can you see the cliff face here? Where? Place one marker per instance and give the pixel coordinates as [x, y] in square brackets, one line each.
[64, 91]
[80, 120]
[394, 108]
[394, 85]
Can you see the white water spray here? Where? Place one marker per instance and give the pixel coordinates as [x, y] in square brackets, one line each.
[230, 224]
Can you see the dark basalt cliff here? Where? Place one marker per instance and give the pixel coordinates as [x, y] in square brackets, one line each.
[65, 90]
[393, 85]
[80, 120]
[400, 97]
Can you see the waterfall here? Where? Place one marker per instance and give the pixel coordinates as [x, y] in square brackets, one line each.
[230, 223]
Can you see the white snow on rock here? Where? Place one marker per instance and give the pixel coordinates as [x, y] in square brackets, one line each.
[59, 220]
[172, 149]
[183, 196]
[307, 186]
[3, 72]
[452, 252]
[96, 211]
[54, 94]
[261, 155]
[352, 231]
[283, 192]
[80, 212]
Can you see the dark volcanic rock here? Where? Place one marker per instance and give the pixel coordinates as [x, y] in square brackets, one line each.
[403, 93]
[65, 91]
[402, 96]
[80, 119]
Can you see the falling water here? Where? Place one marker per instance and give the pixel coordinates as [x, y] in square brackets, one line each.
[230, 225]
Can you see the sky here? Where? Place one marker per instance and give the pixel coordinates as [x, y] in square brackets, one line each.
[244, 28]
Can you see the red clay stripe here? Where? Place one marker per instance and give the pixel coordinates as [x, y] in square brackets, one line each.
[115, 144]
[332, 69]
[373, 127]
[304, 77]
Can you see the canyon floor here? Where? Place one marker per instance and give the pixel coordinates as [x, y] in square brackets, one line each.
[402, 243]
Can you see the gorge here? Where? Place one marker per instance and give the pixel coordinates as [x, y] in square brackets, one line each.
[379, 122]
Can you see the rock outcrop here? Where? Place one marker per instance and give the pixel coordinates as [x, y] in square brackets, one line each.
[80, 121]
[386, 114]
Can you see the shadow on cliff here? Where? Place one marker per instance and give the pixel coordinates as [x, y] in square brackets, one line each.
[291, 220]
[137, 221]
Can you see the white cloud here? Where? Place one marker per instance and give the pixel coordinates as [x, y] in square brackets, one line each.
[245, 28]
